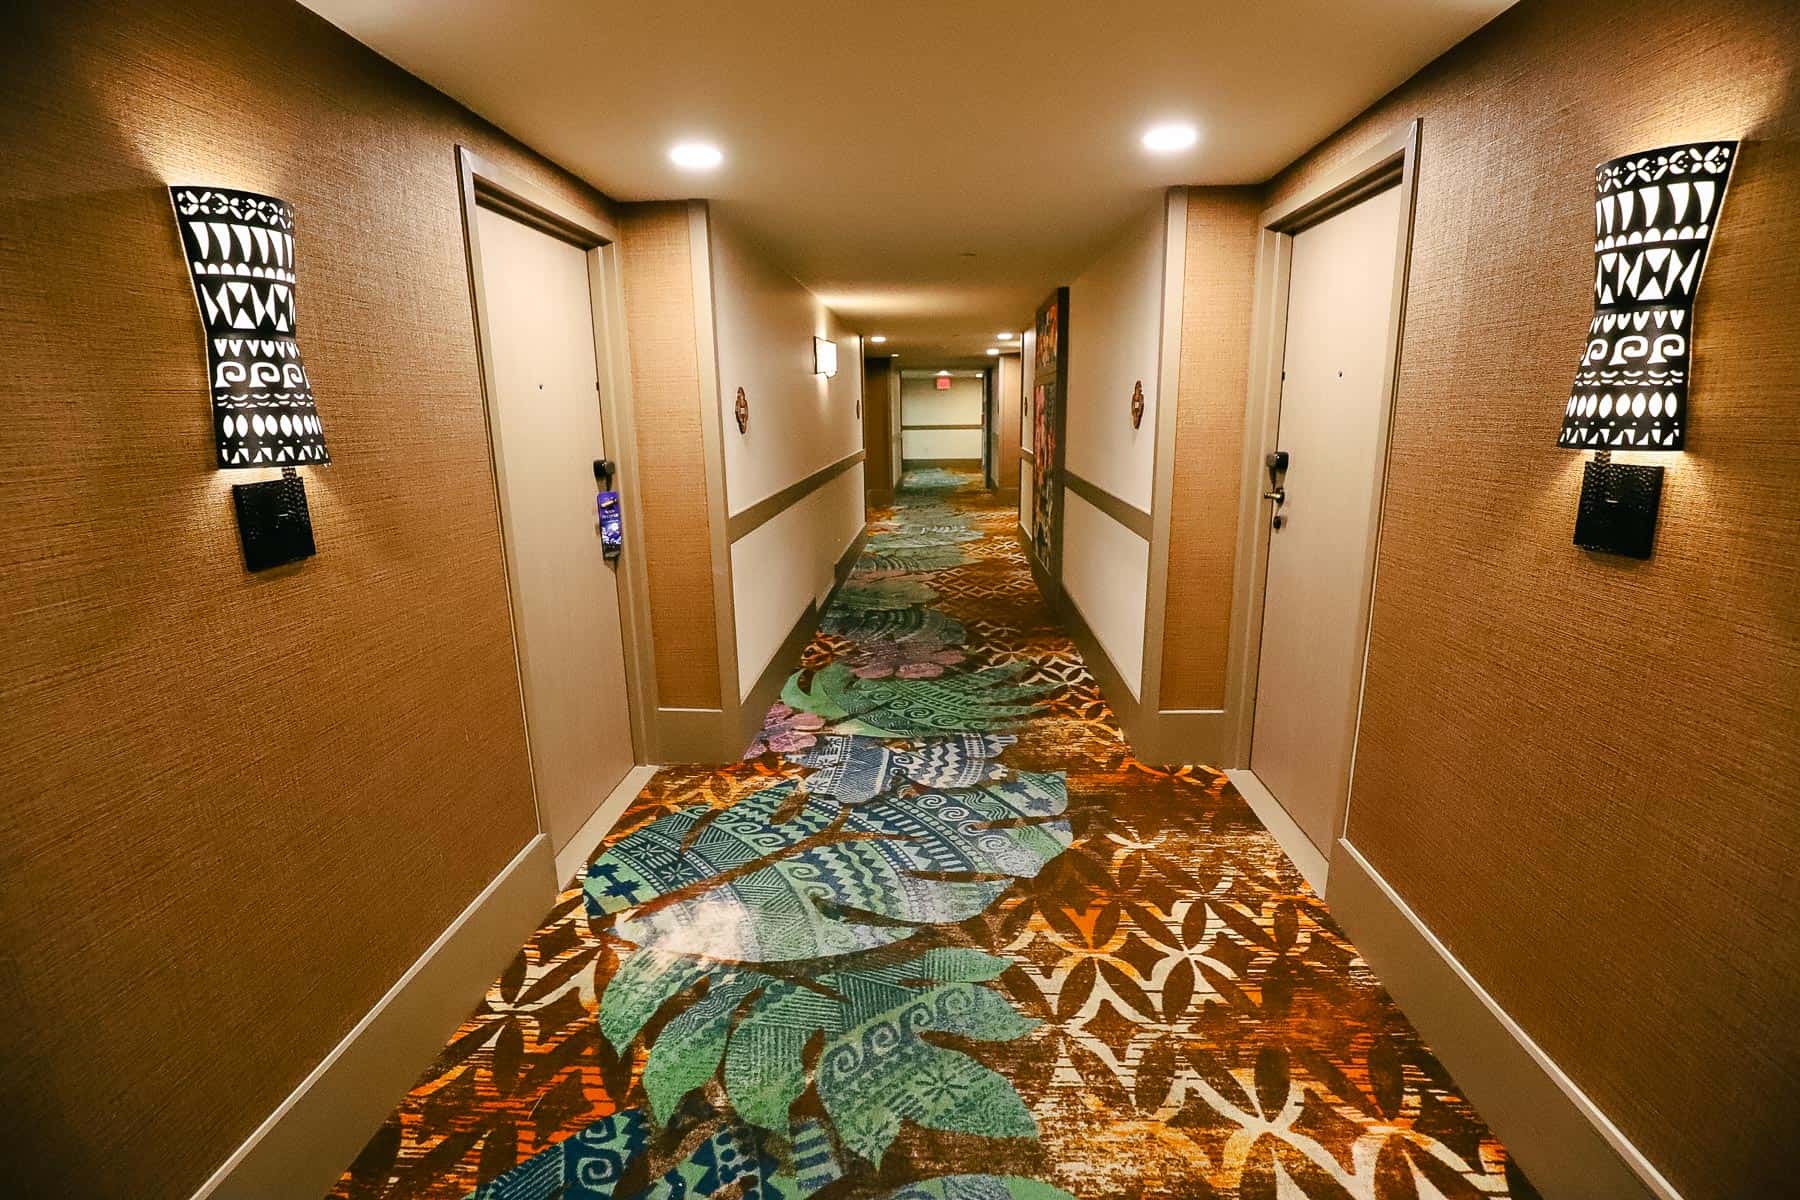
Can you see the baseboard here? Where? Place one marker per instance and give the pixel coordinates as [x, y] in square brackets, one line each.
[308, 1141]
[574, 856]
[1046, 586]
[1125, 707]
[1195, 735]
[1294, 843]
[1563, 1141]
[689, 735]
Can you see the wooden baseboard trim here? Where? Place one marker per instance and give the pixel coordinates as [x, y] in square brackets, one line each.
[1173, 736]
[1566, 1145]
[1125, 707]
[689, 735]
[575, 856]
[308, 1141]
[1294, 843]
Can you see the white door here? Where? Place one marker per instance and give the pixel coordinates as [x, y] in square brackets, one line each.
[1332, 426]
[545, 416]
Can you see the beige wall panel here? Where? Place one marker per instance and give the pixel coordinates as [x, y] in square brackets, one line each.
[921, 403]
[1579, 769]
[656, 275]
[1115, 313]
[766, 321]
[935, 444]
[788, 562]
[1209, 433]
[237, 806]
[1105, 567]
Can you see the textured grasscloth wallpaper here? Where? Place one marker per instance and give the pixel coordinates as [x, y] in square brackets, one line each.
[1584, 771]
[235, 808]
[657, 266]
[1218, 277]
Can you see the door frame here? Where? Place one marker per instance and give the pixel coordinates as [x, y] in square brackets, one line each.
[483, 184]
[1391, 162]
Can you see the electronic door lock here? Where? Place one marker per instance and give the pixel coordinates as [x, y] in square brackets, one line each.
[603, 473]
[1277, 462]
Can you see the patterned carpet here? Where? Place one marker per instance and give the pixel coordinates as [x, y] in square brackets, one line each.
[940, 938]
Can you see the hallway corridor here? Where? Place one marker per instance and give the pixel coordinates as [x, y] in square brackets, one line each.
[941, 936]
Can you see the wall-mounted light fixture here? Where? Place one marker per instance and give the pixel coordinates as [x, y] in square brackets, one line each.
[824, 357]
[239, 248]
[1654, 216]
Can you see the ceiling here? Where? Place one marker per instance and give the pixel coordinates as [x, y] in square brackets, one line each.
[930, 168]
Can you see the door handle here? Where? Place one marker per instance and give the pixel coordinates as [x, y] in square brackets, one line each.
[1278, 495]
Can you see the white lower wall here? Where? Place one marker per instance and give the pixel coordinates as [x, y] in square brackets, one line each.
[786, 563]
[1106, 570]
[941, 443]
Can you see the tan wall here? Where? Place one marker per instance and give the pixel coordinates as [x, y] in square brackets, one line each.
[236, 807]
[656, 271]
[1213, 377]
[1580, 770]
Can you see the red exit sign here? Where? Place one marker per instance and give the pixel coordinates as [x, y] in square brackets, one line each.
[943, 382]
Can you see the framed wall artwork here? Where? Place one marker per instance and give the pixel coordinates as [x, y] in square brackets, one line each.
[1048, 424]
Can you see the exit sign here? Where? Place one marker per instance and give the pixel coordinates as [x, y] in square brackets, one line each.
[943, 382]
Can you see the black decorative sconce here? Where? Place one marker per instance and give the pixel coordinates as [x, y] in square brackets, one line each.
[1654, 216]
[1137, 404]
[741, 410]
[239, 248]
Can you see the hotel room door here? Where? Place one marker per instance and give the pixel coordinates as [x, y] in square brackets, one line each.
[1333, 429]
[544, 417]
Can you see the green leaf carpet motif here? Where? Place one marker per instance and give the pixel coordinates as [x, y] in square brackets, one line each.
[975, 702]
[928, 558]
[854, 770]
[916, 538]
[883, 595]
[894, 625]
[736, 1159]
[874, 1070]
[825, 881]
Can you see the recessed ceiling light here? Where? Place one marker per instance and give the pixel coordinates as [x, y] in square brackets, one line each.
[695, 156]
[1170, 139]
[943, 372]
[878, 339]
[1005, 337]
[992, 350]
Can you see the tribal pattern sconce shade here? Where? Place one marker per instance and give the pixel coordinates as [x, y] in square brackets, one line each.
[240, 255]
[239, 249]
[1654, 217]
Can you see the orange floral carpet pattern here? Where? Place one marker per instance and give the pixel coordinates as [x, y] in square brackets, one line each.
[1197, 1024]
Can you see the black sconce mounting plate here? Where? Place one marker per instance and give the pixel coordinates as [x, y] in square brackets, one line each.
[273, 522]
[1618, 508]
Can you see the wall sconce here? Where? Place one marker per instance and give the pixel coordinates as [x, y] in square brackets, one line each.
[1654, 216]
[824, 357]
[239, 248]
